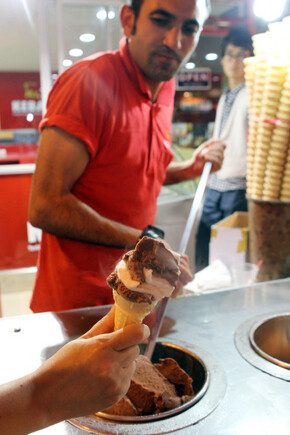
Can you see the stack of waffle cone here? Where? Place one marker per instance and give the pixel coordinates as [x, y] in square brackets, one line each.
[267, 76]
[279, 145]
[250, 68]
[255, 112]
[127, 312]
[269, 97]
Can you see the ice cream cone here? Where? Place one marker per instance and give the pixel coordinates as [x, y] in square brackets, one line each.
[127, 312]
[283, 113]
[277, 156]
[285, 190]
[141, 278]
[281, 136]
[274, 170]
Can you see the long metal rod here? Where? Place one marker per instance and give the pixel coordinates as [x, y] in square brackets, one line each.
[197, 200]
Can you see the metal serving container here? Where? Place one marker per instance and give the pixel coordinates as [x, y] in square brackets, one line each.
[208, 380]
[190, 363]
[271, 339]
[264, 341]
[242, 395]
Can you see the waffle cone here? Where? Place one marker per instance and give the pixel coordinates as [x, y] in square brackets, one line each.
[127, 312]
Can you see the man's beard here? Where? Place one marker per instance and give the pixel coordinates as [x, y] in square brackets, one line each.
[162, 71]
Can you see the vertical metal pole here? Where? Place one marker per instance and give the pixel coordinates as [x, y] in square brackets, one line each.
[44, 55]
[60, 38]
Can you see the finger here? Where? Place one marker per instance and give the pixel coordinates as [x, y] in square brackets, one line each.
[129, 336]
[177, 290]
[184, 264]
[216, 142]
[127, 356]
[131, 370]
[127, 374]
[185, 272]
[104, 326]
[214, 156]
[185, 276]
[184, 257]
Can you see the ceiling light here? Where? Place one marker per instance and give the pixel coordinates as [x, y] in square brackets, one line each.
[190, 65]
[211, 56]
[76, 52]
[67, 62]
[29, 117]
[101, 14]
[268, 10]
[87, 37]
[111, 14]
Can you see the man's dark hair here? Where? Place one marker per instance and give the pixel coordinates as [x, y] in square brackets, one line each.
[240, 37]
[135, 5]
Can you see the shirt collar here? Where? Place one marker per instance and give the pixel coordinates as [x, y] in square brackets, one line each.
[136, 75]
[235, 90]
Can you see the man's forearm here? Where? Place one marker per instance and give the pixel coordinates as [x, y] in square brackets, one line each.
[211, 151]
[179, 171]
[71, 218]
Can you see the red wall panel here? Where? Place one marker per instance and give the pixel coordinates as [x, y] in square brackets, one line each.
[20, 95]
[15, 251]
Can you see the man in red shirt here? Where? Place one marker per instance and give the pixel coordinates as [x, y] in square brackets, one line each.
[105, 153]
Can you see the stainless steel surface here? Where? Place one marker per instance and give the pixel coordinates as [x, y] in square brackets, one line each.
[271, 339]
[191, 220]
[243, 345]
[254, 401]
[190, 363]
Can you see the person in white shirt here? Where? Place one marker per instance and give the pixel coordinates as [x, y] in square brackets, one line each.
[226, 192]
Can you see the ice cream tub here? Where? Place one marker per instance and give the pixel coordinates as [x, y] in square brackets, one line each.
[270, 338]
[209, 384]
[191, 363]
[264, 342]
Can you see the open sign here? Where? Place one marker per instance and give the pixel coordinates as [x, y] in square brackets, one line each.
[195, 80]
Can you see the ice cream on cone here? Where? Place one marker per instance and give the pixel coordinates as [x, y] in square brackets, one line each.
[141, 278]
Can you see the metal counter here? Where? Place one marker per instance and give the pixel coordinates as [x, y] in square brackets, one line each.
[254, 402]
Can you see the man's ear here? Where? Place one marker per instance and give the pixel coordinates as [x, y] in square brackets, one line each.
[127, 19]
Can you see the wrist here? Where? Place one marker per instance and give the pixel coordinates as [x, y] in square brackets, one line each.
[151, 231]
[44, 404]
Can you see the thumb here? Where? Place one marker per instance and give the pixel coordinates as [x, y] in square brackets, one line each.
[129, 336]
[103, 326]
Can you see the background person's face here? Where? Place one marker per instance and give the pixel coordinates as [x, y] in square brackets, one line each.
[165, 34]
[232, 62]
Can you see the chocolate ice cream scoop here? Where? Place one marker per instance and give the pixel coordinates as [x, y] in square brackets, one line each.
[147, 273]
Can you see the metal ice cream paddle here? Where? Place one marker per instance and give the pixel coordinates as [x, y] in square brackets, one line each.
[193, 214]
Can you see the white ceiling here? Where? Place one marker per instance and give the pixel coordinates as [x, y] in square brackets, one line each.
[19, 30]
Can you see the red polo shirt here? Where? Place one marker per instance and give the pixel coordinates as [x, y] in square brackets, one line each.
[105, 101]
